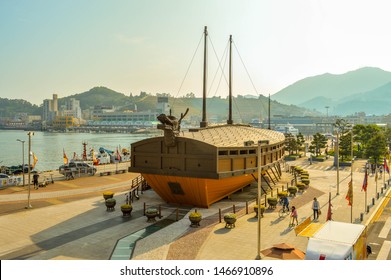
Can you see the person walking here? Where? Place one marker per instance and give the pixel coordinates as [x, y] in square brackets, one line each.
[35, 180]
[315, 208]
[285, 203]
[294, 216]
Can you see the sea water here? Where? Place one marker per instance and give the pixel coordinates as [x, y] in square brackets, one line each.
[48, 147]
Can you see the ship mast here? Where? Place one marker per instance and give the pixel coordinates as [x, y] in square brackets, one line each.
[204, 123]
[230, 121]
[269, 114]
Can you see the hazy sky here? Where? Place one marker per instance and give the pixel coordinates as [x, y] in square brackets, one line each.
[70, 46]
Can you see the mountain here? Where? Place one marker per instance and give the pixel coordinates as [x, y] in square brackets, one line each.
[332, 88]
[373, 102]
[98, 96]
[244, 108]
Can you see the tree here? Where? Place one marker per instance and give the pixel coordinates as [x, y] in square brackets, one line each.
[363, 133]
[300, 142]
[345, 145]
[376, 147]
[319, 141]
[290, 143]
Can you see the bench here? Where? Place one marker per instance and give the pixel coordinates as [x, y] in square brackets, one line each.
[120, 171]
[105, 173]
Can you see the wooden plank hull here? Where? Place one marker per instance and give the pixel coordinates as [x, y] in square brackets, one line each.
[192, 191]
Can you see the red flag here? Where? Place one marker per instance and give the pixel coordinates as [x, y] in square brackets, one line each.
[365, 183]
[386, 166]
[349, 195]
[118, 155]
[329, 213]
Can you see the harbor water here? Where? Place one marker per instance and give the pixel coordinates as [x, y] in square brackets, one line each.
[48, 147]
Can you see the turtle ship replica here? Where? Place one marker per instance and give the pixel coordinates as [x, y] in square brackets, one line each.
[203, 165]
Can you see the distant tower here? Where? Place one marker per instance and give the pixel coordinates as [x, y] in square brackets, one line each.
[55, 103]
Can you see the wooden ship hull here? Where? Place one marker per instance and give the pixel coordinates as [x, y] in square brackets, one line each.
[206, 164]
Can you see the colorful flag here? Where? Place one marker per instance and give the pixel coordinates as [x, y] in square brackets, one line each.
[65, 157]
[349, 195]
[329, 213]
[35, 160]
[365, 183]
[118, 155]
[386, 166]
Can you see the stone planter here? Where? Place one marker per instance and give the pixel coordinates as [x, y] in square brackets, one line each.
[195, 221]
[230, 220]
[305, 181]
[110, 203]
[282, 194]
[151, 214]
[272, 202]
[292, 191]
[256, 210]
[126, 210]
[107, 195]
[300, 186]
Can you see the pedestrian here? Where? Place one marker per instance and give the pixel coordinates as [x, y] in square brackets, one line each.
[35, 180]
[285, 203]
[315, 208]
[294, 216]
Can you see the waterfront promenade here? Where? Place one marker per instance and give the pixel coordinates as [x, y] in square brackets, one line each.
[69, 219]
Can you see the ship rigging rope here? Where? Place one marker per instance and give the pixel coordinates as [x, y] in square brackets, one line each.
[245, 68]
[188, 68]
[225, 54]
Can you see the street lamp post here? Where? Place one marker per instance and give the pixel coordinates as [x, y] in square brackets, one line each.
[22, 141]
[29, 171]
[260, 143]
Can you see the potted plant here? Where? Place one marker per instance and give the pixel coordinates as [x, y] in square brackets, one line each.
[292, 190]
[262, 210]
[195, 219]
[126, 209]
[151, 214]
[305, 181]
[300, 186]
[108, 194]
[110, 203]
[282, 194]
[272, 201]
[230, 219]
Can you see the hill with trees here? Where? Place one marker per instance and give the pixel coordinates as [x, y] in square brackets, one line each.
[11, 107]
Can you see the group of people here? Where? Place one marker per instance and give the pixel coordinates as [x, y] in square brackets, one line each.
[294, 220]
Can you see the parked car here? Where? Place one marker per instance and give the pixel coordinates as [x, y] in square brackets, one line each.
[3, 176]
[76, 167]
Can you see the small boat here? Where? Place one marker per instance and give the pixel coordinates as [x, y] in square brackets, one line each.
[287, 129]
[203, 165]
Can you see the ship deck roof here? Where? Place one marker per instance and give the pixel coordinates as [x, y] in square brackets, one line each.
[233, 135]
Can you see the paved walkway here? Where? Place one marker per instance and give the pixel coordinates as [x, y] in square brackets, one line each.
[69, 220]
